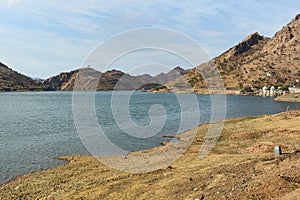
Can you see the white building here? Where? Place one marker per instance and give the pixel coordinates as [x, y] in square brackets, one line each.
[272, 91]
[294, 90]
[264, 91]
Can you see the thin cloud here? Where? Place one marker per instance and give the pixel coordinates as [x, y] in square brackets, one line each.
[12, 3]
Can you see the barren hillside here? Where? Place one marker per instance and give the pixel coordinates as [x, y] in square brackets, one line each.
[259, 61]
[11, 80]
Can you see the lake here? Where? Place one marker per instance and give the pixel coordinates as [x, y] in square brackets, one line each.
[36, 127]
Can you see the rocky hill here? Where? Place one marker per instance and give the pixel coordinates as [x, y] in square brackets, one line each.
[11, 80]
[86, 78]
[171, 75]
[66, 80]
[258, 61]
[110, 80]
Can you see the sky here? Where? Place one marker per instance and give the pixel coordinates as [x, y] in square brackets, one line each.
[43, 38]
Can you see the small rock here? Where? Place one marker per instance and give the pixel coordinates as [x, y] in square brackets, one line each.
[195, 189]
[201, 198]
[170, 167]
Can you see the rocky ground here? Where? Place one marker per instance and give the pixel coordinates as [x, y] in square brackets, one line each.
[241, 166]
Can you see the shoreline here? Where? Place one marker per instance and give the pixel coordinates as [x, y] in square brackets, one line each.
[177, 137]
[241, 144]
[63, 155]
[283, 98]
[61, 158]
[293, 97]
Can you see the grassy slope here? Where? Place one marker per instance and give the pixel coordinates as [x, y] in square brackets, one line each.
[241, 166]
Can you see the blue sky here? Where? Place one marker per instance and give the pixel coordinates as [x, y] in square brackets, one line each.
[42, 38]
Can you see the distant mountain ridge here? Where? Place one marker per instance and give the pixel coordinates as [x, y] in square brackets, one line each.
[88, 78]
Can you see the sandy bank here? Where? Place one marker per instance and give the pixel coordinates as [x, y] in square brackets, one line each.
[289, 98]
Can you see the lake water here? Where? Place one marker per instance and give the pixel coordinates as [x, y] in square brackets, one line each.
[36, 127]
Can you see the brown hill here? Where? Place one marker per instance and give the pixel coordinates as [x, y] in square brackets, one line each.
[66, 80]
[163, 78]
[87, 78]
[258, 61]
[111, 80]
[11, 80]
